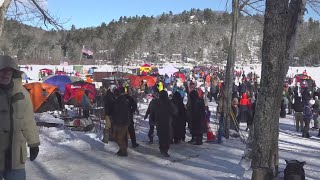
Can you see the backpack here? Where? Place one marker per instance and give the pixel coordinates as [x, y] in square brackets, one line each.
[294, 170]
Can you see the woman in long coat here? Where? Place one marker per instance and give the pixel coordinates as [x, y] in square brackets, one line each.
[196, 117]
[179, 121]
[164, 114]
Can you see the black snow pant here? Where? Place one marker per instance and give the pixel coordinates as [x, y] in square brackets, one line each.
[132, 131]
[164, 143]
[151, 132]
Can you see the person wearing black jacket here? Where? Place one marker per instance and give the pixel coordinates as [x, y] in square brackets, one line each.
[132, 106]
[179, 121]
[196, 117]
[120, 122]
[306, 96]
[164, 114]
[151, 111]
[298, 113]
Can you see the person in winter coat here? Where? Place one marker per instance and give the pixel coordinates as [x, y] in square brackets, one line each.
[164, 114]
[86, 104]
[181, 91]
[132, 106]
[234, 91]
[244, 110]
[186, 87]
[17, 127]
[298, 113]
[284, 104]
[306, 96]
[151, 113]
[242, 88]
[290, 98]
[174, 88]
[316, 108]
[120, 122]
[307, 116]
[252, 110]
[179, 121]
[234, 114]
[108, 100]
[196, 117]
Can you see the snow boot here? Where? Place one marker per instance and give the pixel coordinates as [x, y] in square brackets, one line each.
[198, 141]
[150, 140]
[135, 145]
[122, 154]
[165, 154]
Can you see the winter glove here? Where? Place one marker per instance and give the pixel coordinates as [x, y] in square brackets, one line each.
[34, 153]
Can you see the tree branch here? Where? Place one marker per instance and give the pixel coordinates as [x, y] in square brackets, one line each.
[314, 5]
[252, 16]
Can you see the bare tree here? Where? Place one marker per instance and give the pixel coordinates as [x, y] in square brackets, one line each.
[28, 10]
[3, 9]
[228, 84]
[282, 19]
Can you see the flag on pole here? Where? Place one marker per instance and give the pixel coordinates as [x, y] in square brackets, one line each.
[87, 52]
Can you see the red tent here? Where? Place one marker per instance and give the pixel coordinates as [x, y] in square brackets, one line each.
[135, 81]
[47, 71]
[74, 92]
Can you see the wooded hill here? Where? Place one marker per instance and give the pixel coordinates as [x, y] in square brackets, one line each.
[202, 35]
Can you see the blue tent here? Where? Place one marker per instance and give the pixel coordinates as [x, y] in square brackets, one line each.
[60, 81]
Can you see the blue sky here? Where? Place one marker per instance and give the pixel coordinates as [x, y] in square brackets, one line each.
[87, 13]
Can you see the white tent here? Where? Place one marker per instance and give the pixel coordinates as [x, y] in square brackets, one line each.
[169, 70]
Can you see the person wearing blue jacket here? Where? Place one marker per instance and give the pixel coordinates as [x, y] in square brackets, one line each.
[307, 116]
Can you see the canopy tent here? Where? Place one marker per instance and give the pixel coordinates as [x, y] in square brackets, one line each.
[46, 71]
[169, 70]
[145, 68]
[135, 81]
[60, 81]
[44, 97]
[74, 92]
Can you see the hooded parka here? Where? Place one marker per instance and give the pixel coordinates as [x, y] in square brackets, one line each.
[17, 127]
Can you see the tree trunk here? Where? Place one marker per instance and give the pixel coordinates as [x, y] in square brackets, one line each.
[274, 69]
[230, 68]
[280, 26]
[3, 11]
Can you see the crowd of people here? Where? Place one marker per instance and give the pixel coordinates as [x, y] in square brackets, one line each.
[168, 114]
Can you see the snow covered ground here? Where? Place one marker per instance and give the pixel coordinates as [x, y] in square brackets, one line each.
[66, 154]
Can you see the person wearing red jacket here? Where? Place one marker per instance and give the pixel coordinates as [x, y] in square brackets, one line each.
[244, 108]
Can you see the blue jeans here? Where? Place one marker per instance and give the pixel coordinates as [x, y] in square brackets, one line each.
[15, 174]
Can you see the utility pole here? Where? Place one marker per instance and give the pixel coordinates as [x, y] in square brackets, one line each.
[228, 83]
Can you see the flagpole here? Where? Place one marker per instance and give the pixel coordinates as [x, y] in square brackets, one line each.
[81, 55]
